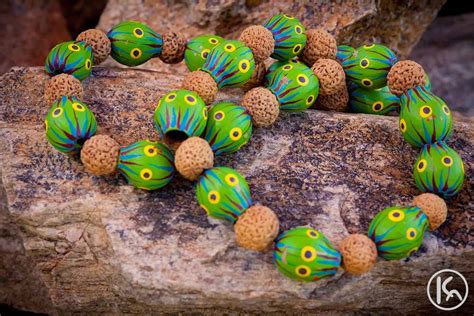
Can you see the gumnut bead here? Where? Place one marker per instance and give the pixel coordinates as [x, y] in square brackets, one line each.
[257, 77]
[405, 75]
[99, 42]
[100, 155]
[333, 102]
[256, 228]
[260, 40]
[434, 207]
[192, 157]
[262, 106]
[174, 45]
[359, 253]
[319, 44]
[202, 83]
[62, 85]
[330, 74]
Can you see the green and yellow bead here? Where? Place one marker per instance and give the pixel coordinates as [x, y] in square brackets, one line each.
[439, 169]
[223, 193]
[228, 128]
[304, 254]
[372, 101]
[289, 35]
[146, 165]
[230, 63]
[398, 231]
[134, 43]
[72, 58]
[344, 52]
[69, 123]
[293, 83]
[368, 67]
[181, 111]
[424, 117]
[198, 48]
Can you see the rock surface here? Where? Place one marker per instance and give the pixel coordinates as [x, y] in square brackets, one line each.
[95, 244]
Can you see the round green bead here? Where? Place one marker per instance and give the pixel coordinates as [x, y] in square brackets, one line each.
[439, 169]
[181, 111]
[372, 101]
[134, 43]
[146, 165]
[424, 117]
[398, 231]
[198, 48]
[369, 66]
[293, 83]
[289, 35]
[230, 63]
[228, 128]
[304, 254]
[223, 193]
[73, 58]
[69, 123]
[344, 52]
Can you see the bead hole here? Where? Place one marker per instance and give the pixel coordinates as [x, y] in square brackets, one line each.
[173, 138]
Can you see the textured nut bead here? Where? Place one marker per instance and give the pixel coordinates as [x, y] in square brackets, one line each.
[100, 155]
[174, 45]
[434, 207]
[405, 75]
[99, 42]
[259, 40]
[62, 85]
[262, 106]
[256, 228]
[330, 74]
[202, 83]
[257, 77]
[319, 44]
[359, 253]
[192, 157]
[333, 102]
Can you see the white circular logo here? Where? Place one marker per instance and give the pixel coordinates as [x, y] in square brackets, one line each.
[449, 289]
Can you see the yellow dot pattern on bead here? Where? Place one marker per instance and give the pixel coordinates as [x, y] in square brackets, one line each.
[229, 48]
[213, 40]
[205, 53]
[136, 53]
[311, 233]
[204, 112]
[146, 174]
[46, 126]
[150, 150]
[219, 116]
[302, 80]
[303, 271]
[78, 107]
[214, 197]
[447, 161]
[403, 126]
[287, 67]
[310, 99]
[298, 29]
[170, 97]
[308, 253]
[204, 208]
[446, 110]
[231, 180]
[425, 111]
[396, 215]
[88, 64]
[421, 165]
[244, 66]
[377, 106]
[364, 63]
[57, 112]
[235, 133]
[369, 46]
[367, 82]
[189, 99]
[411, 233]
[138, 32]
[297, 48]
[74, 47]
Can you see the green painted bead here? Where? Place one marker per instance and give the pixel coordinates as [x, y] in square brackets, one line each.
[398, 231]
[181, 111]
[198, 48]
[424, 117]
[146, 165]
[439, 169]
[230, 63]
[289, 35]
[73, 58]
[293, 83]
[372, 101]
[223, 193]
[344, 52]
[304, 254]
[134, 43]
[369, 65]
[69, 123]
[228, 128]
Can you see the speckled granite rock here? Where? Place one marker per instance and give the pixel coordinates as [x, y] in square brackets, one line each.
[398, 24]
[98, 245]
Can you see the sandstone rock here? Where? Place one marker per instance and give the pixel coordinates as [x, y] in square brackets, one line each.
[101, 246]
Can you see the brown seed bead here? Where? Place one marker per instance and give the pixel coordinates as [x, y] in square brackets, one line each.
[333, 102]
[262, 106]
[330, 74]
[192, 157]
[62, 85]
[257, 77]
[99, 42]
[100, 155]
[434, 207]
[319, 44]
[259, 40]
[202, 83]
[174, 45]
[256, 228]
[405, 75]
[359, 253]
